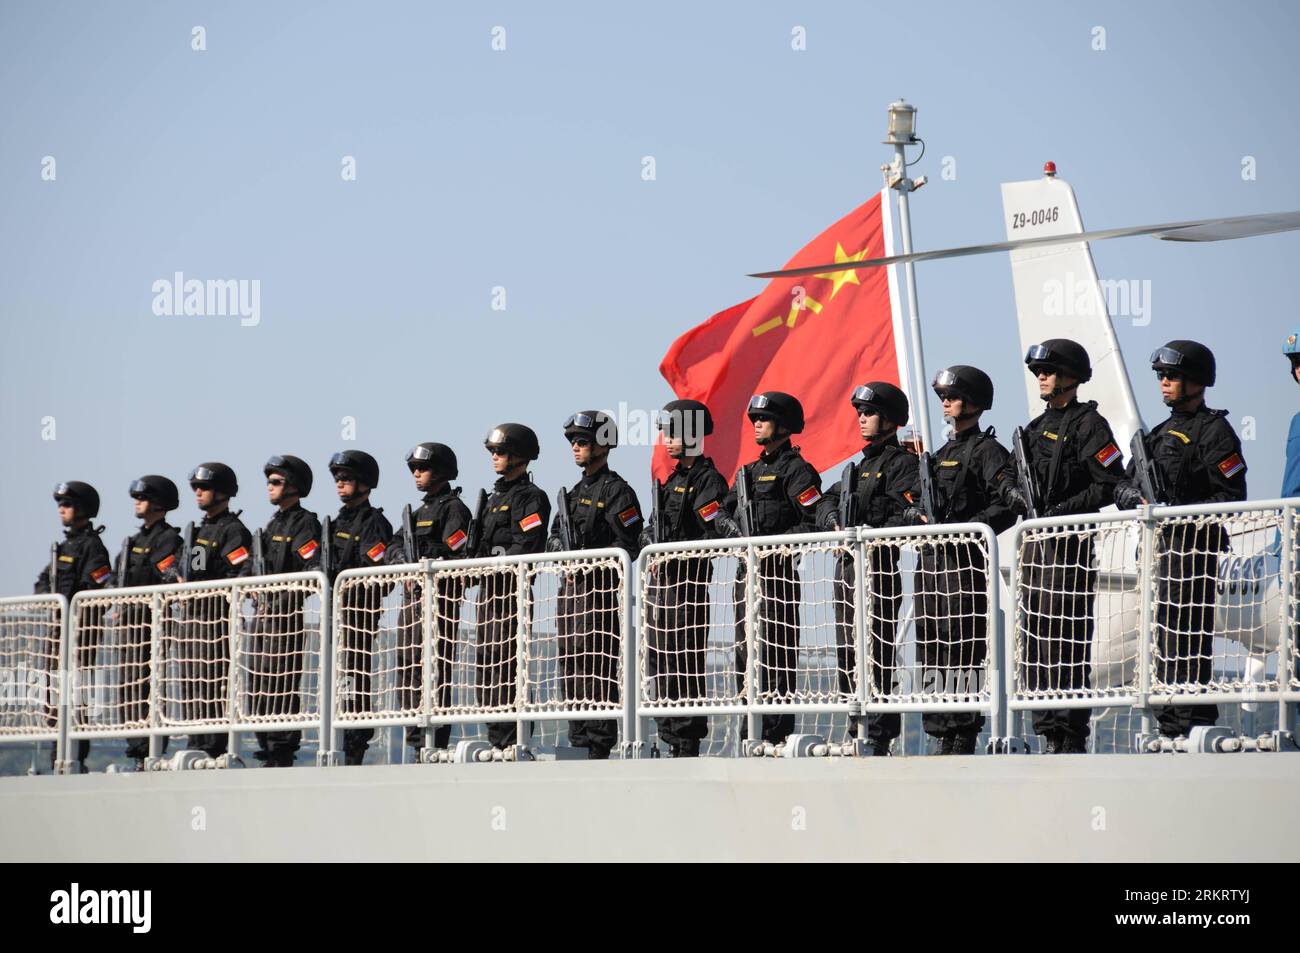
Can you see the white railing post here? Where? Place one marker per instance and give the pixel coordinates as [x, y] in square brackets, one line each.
[429, 643]
[861, 633]
[156, 662]
[999, 730]
[752, 719]
[641, 574]
[1285, 648]
[523, 593]
[628, 659]
[327, 746]
[64, 682]
[232, 668]
[1011, 641]
[1146, 619]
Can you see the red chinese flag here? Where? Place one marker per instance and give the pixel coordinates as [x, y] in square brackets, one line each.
[814, 337]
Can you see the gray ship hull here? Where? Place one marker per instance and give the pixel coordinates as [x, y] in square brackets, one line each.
[1101, 808]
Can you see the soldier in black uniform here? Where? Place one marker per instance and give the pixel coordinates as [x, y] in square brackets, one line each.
[513, 523]
[884, 476]
[1076, 463]
[603, 513]
[785, 493]
[78, 562]
[222, 547]
[690, 508]
[152, 557]
[361, 538]
[971, 485]
[290, 543]
[441, 530]
[1198, 456]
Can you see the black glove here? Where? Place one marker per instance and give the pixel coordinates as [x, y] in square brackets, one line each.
[913, 516]
[647, 535]
[727, 527]
[1058, 509]
[554, 545]
[1016, 500]
[1127, 496]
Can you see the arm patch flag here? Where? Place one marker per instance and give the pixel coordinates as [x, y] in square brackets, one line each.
[1232, 466]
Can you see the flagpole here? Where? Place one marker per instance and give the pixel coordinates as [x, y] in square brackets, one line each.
[900, 135]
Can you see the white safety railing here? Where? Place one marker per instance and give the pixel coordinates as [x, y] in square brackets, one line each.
[805, 626]
[230, 656]
[1164, 606]
[511, 639]
[1128, 614]
[32, 646]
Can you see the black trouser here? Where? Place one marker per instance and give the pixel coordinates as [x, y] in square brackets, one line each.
[778, 590]
[952, 604]
[360, 609]
[1058, 586]
[275, 667]
[135, 632]
[410, 655]
[1187, 569]
[590, 640]
[495, 662]
[676, 644]
[203, 650]
[885, 592]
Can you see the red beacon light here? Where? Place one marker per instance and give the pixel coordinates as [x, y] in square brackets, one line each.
[1049, 169]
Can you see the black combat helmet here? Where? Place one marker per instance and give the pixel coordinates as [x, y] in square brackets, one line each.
[686, 418]
[216, 476]
[295, 471]
[1194, 361]
[515, 439]
[968, 383]
[156, 489]
[437, 457]
[82, 497]
[780, 406]
[361, 464]
[883, 398]
[1060, 354]
[594, 425]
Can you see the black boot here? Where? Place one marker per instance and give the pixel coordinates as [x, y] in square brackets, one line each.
[687, 749]
[963, 744]
[354, 756]
[1072, 744]
[941, 744]
[1052, 743]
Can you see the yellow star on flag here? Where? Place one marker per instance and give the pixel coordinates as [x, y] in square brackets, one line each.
[842, 278]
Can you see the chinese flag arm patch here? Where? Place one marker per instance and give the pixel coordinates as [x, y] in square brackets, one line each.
[530, 522]
[1107, 455]
[164, 564]
[810, 496]
[456, 540]
[100, 574]
[1231, 466]
[708, 511]
[308, 549]
[629, 516]
[376, 552]
[237, 556]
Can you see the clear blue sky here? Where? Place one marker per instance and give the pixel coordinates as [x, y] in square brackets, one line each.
[522, 169]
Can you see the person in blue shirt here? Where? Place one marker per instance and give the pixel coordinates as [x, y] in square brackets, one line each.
[1291, 475]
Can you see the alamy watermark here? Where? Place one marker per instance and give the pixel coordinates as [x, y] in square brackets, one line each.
[1076, 297]
[215, 297]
